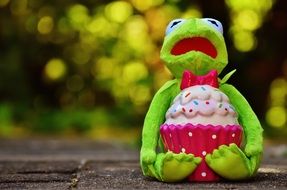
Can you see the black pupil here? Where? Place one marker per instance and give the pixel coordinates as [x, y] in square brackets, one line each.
[213, 22]
[175, 23]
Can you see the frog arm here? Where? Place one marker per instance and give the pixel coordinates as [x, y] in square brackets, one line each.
[250, 123]
[154, 118]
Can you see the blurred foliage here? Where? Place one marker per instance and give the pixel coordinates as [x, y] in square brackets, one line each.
[78, 67]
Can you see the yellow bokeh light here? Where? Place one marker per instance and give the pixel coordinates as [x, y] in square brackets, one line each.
[88, 40]
[121, 51]
[278, 92]
[134, 71]
[136, 27]
[139, 95]
[258, 5]
[171, 12]
[105, 68]
[136, 35]
[144, 5]
[55, 69]
[120, 89]
[156, 26]
[244, 41]
[97, 25]
[248, 19]
[78, 15]
[276, 116]
[45, 25]
[102, 27]
[4, 3]
[164, 15]
[118, 11]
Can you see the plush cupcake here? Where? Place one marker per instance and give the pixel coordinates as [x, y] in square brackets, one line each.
[199, 120]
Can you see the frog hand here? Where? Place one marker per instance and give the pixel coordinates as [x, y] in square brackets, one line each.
[230, 162]
[171, 167]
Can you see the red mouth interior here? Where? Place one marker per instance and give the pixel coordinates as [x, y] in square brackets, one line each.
[194, 44]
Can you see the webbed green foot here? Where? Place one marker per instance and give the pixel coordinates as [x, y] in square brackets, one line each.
[229, 162]
[173, 167]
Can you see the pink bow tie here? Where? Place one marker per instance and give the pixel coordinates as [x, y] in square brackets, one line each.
[189, 79]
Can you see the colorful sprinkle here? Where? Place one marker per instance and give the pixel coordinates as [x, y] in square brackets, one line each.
[174, 110]
[220, 105]
[207, 102]
[226, 109]
[195, 102]
[203, 88]
[190, 110]
[187, 94]
[183, 109]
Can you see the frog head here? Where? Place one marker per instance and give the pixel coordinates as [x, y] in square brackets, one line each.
[194, 44]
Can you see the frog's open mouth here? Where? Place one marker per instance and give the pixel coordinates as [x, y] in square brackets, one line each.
[194, 44]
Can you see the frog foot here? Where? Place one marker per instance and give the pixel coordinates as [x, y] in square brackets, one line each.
[172, 167]
[229, 162]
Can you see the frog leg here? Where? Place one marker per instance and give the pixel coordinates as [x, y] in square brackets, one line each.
[171, 167]
[229, 162]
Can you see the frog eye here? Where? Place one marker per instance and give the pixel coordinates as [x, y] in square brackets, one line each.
[173, 24]
[214, 23]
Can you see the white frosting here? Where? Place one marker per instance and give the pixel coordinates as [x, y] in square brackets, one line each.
[201, 104]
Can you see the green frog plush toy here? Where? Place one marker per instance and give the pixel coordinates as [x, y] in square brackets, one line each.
[198, 128]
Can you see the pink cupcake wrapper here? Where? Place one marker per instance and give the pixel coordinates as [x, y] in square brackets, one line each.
[199, 140]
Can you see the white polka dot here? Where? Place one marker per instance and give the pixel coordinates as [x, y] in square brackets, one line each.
[213, 136]
[190, 134]
[183, 150]
[203, 153]
[203, 174]
[169, 134]
[233, 135]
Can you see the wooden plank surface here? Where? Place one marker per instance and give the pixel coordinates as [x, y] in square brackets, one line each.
[81, 164]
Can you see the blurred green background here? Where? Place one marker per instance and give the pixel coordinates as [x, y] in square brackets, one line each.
[90, 68]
